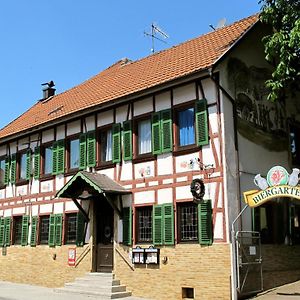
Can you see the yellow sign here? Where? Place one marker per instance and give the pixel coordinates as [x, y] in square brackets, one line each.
[257, 197]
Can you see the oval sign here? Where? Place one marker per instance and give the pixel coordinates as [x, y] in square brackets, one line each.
[277, 176]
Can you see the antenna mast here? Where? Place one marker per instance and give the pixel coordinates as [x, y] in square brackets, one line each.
[155, 30]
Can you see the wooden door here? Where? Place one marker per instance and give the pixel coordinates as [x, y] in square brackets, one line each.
[105, 236]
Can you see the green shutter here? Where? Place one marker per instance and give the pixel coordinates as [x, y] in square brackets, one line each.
[2, 230]
[54, 158]
[80, 222]
[82, 151]
[60, 157]
[166, 128]
[168, 224]
[13, 168]
[7, 168]
[58, 229]
[7, 222]
[34, 222]
[116, 143]
[201, 122]
[205, 228]
[91, 149]
[37, 163]
[157, 224]
[25, 227]
[51, 240]
[156, 133]
[127, 226]
[127, 140]
[28, 164]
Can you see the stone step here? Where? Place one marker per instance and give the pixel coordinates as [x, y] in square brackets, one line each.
[89, 286]
[116, 282]
[98, 274]
[120, 295]
[118, 288]
[102, 285]
[69, 290]
[93, 280]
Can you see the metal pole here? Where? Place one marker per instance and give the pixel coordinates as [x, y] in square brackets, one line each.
[234, 258]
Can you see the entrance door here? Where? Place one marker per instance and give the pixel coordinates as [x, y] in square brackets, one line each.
[105, 226]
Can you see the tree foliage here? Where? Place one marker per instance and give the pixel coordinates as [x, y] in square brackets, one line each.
[282, 47]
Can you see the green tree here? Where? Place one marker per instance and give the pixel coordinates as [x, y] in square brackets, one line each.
[282, 46]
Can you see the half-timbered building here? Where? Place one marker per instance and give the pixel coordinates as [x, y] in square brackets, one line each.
[139, 170]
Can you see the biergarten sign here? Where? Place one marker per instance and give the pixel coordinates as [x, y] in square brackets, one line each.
[279, 183]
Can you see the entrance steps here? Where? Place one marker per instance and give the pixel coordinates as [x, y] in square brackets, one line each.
[102, 285]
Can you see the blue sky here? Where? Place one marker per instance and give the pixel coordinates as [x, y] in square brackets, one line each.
[69, 41]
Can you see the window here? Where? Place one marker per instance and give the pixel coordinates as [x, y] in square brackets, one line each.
[186, 119]
[294, 144]
[106, 145]
[188, 222]
[70, 228]
[144, 224]
[2, 171]
[74, 154]
[48, 160]
[144, 137]
[22, 166]
[44, 230]
[191, 125]
[195, 222]
[17, 230]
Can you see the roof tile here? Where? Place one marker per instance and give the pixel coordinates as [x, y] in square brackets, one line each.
[125, 78]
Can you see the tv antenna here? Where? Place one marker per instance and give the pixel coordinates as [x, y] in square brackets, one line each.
[221, 23]
[155, 30]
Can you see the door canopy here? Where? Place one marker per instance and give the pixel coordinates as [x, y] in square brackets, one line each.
[278, 183]
[87, 186]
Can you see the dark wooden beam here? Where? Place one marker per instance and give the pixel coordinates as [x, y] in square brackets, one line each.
[81, 210]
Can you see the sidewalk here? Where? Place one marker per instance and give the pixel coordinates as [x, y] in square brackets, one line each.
[15, 291]
[287, 291]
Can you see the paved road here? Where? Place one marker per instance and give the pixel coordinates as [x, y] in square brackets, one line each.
[14, 291]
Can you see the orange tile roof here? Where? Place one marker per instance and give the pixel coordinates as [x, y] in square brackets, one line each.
[121, 79]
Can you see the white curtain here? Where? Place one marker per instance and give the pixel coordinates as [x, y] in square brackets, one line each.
[108, 154]
[144, 136]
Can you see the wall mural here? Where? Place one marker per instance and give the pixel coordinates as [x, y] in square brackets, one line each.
[259, 120]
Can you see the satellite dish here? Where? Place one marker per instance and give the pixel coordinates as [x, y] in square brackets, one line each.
[221, 23]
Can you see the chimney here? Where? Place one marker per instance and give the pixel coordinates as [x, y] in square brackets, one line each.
[48, 90]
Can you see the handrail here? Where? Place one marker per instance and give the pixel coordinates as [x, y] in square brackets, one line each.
[125, 259]
[83, 255]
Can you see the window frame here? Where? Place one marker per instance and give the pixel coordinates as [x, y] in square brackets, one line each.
[187, 148]
[38, 239]
[69, 139]
[65, 228]
[19, 154]
[180, 206]
[14, 228]
[43, 147]
[2, 183]
[100, 163]
[138, 210]
[144, 156]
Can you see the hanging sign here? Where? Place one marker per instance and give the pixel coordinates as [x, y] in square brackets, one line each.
[71, 256]
[279, 183]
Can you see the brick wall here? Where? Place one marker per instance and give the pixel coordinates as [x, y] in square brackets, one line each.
[35, 265]
[206, 269]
